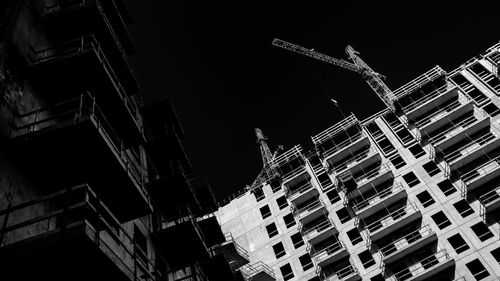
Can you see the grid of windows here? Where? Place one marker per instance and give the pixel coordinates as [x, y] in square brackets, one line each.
[265, 211]
[425, 198]
[282, 202]
[441, 220]
[279, 250]
[272, 230]
[366, 259]
[297, 240]
[463, 208]
[289, 220]
[306, 262]
[446, 187]
[286, 272]
[482, 231]
[477, 269]
[431, 168]
[417, 151]
[411, 179]
[458, 243]
[354, 236]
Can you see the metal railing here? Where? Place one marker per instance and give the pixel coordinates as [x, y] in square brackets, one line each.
[83, 44]
[442, 111]
[355, 158]
[391, 217]
[324, 254]
[74, 109]
[377, 197]
[488, 198]
[420, 81]
[299, 190]
[311, 232]
[481, 170]
[250, 270]
[406, 240]
[71, 207]
[343, 144]
[366, 176]
[423, 265]
[432, 95]
[240, 250]
[332, 131]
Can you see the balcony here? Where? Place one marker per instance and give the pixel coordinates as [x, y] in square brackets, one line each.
[330, 254]
[311, 211]
[490, 201]
[346, 273]
[426, 268]
[365, 207]
[182, 236]
[338, 136]
[471, 149]
[365, 180]
[490, 79]
[358, 161]
[301, 193]
[75, 231]
[423, 110]
[81, 64]
[408, 244]
[457, 129]
[394, 220]
[320, 232]
[236, 255]
[60, 141]
[258, 271]
[346, 151]
[494, 60]
[77, 13]
[481, 174]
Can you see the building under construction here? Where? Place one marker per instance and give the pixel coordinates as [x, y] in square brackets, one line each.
[94, 180]
[410, 193]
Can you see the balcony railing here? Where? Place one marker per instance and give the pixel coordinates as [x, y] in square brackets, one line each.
[366, 176]
[330, 254]
[476, 142]
[312, 232]
[82, 107]
[85, 44]
[427, 98]
[418, 82]
[337, 147]
[391, 221]
[252, 271]
[307, 210]
[490, 201]
[463, 123]
[293, 173]
[363, 205]
[479, 175]
[443, 111]
[427, 267]
[242, 252]
[348, 272]
[354, 159]
[69, 209]
[407, 244]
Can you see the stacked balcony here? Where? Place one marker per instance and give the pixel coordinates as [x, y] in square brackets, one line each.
[486, 76]
[425, 268]
[309, 210]
[374, 200]
[323, 229]
[73, 230]
[183, 236]
[291, 166]
[334, 141]
[301, 191]
[390, 220]
[91, 14]
[455, 127]
[407, 244]
[319, 170]
[63, 140]
[342, 272]
[258, 271]
[356, 160]
[81, 64]
[490, 202]
[236, 254]
[477, 174]
[365, 179]
[328, 252]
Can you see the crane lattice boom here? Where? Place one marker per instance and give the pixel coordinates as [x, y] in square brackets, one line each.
[371, 77]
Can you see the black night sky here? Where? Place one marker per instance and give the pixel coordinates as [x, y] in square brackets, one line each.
[226, 78]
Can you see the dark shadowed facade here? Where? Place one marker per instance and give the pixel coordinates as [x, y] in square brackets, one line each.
[94, 180]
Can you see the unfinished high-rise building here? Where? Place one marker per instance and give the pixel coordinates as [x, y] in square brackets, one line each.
[94, 180]
[410, 193]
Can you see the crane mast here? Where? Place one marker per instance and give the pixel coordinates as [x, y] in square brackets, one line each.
[371, 77]
[267, 171]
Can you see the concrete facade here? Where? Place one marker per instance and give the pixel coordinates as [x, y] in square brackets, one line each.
[391, 178]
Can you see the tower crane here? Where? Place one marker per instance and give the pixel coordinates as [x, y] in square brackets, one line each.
[374, 79]
[267, 171]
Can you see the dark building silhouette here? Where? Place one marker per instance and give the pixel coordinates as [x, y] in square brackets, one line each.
[94, 180]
